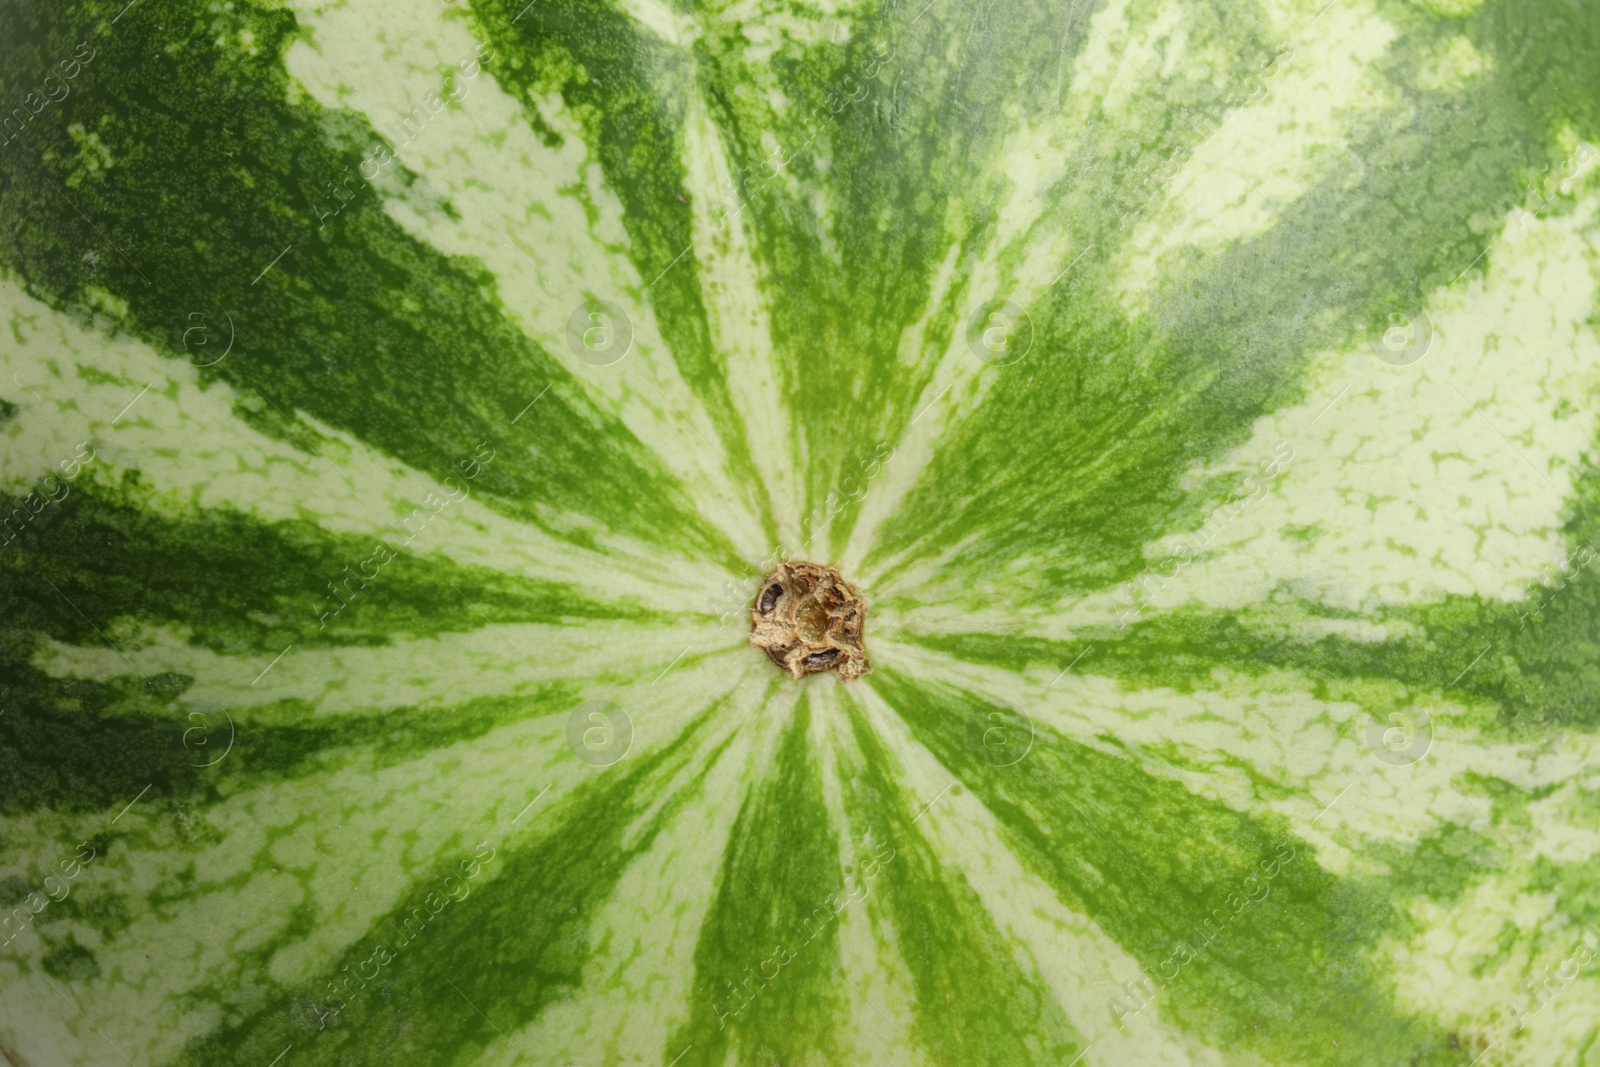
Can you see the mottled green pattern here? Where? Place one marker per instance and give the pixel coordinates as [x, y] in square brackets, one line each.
[503, 961]
[975, 1004]
[358, 324]
[625, 87]
[377, 690]
[767, 955]
[1163, 869]
[1229, 334]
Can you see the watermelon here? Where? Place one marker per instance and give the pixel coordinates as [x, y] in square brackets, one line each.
[1188, 411]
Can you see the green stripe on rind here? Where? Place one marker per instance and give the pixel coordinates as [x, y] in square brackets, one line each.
[626, 88]
[1164, 871]
[362, 326]
[307, 865]
[508, 192]
[1110, 410]
[765, 985]
[238, 586]
[165, 440]
[463, 973]
[88, 566]
[974, 1003]
[1530, 663]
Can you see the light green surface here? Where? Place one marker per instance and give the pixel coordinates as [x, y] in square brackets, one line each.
[377, 691]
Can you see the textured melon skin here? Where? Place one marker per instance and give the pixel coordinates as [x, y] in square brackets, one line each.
[402, 402]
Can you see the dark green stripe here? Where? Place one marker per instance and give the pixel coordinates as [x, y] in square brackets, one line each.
[83, 563]
[87, 566]
[766, 968]
[974, 1003]
[80, 745]
[1076, 459]
[217, 162]
[1154, 864]
[1535, 660]
[483, 967]
[909, 173]
[626, 89]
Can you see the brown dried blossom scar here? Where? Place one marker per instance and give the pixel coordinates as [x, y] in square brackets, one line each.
[808, 619]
